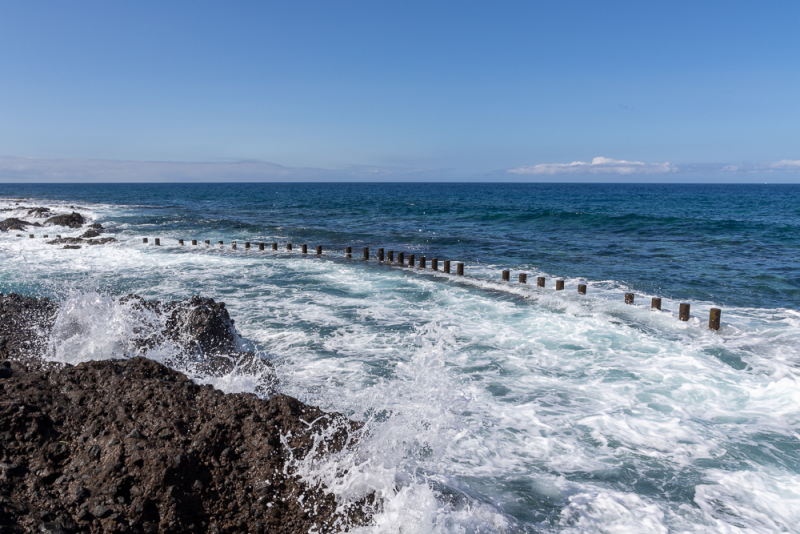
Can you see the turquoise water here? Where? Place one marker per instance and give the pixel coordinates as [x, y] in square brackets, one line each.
[490, 406]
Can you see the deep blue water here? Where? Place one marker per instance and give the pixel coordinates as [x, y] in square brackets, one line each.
[731, 245]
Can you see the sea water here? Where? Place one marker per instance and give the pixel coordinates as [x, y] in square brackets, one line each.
[489, 406]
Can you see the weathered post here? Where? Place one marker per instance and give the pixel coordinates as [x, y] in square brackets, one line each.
[144, 240]
[447, 266]
[506, 276]
[194, 242]
[30, 236]
[540, 281]
[401, 258]
[319, 250]
[523, 278]
[366, 253]
[305, 249]
[246, 245]
[713, 318]
[559, 285]
[45, 236]
[220, 242]
[460, 269]
[58, 236]
[628, 298]
[349, 252]
[289, 247]
[435, 264]
[581, 289]
[683, 313]
[422, 262]
[233, 245]
[410, 260]
[390, 255]
[261, 246]
[208, 242]
[180, 241]
[380, 254]
[274, 246]
[655, 304]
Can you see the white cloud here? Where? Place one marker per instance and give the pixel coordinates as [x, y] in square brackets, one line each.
[598, 165]
[786, 165]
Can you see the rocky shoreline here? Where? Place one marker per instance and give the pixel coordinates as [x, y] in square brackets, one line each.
[72, 220]
[134, 446]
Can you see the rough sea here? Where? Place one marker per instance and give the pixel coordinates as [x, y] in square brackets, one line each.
[490, 406]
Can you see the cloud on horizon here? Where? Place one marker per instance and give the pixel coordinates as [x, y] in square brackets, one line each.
[599, 165]
[786, 165]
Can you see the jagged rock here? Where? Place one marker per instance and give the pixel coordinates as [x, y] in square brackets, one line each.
[200, 328]
[96, 226]
[212, 462]
[90, 233]
[71, 247]
[38, 212]
[73, 220]
[77, 240]
[13, 224]
[25, 324]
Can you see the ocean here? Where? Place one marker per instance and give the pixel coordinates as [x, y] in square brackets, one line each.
[489, 406]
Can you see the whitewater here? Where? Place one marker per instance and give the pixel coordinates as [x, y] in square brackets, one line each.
[489, 406]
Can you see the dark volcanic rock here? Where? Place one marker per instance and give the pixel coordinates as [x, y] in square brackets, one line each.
[78, 240]
[39, 212]
[25, 325]
[73, 220]
[71, 247]
[96, 226]
[90, 233]
[132, 446]
[13, 224]
[199, 324]
[200, 328]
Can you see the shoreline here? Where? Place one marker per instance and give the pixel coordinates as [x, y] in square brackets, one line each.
[134, 446]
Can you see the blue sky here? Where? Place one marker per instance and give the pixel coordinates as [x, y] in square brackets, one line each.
[648, 91]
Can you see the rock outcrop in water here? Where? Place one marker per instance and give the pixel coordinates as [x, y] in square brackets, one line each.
[72, 220]
[75, 242]
[200, 328]
[133, 446]
[15, 224]
[39, 212]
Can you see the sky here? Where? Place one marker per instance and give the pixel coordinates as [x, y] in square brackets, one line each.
[370, 90]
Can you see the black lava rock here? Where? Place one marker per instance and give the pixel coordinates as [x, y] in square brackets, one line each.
[73, 220]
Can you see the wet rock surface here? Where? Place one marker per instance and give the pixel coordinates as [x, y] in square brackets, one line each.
[132, 446]
[14, 224]
[39, 212]
[25, 326]
[200, 328]
[72, 220]
[80, 240]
